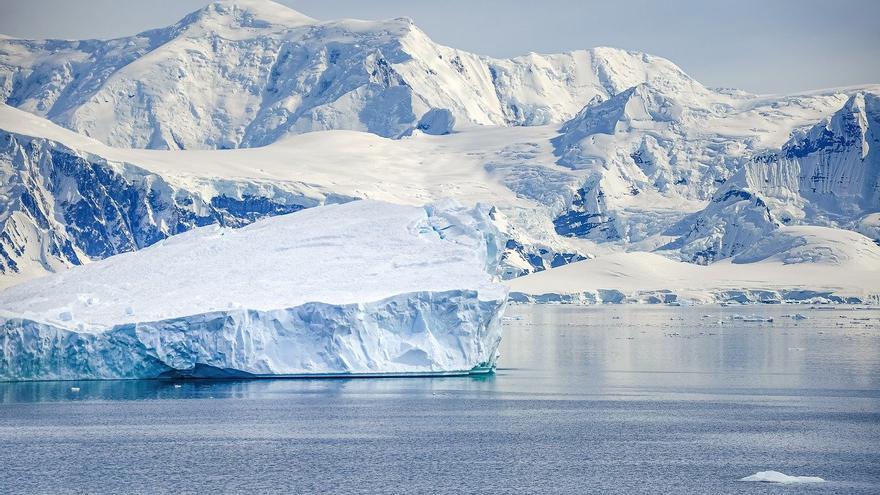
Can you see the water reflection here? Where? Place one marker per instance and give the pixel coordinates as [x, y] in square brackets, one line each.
[570, 352]
[611, 348]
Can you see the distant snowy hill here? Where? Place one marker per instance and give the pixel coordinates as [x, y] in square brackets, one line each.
[244, 73]
[110, 146]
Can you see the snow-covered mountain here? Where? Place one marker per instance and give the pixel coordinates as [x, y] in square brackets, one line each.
[582, 155]
[826, 175]
[244, 73]
[652, 156]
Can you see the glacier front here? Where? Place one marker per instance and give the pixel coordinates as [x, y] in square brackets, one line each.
[363, 288]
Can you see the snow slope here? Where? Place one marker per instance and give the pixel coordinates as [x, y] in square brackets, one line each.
[244, 73]
[364, 287]
[816, 264]
[68, 189]
[161, 193]
[63, 205]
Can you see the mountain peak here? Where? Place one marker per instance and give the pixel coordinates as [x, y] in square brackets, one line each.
[640, 103]
[237, 14]
[849, 127]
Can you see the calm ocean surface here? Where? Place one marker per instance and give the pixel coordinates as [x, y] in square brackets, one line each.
[613, 399]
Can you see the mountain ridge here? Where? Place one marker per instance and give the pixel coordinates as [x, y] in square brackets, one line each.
[226, 77]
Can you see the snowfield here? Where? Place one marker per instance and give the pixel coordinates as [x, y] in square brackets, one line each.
[361, 288]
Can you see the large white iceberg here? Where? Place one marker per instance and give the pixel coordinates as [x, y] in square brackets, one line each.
[362, 288]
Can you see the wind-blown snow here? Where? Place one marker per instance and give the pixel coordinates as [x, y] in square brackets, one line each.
[365, 287]
[777, 477]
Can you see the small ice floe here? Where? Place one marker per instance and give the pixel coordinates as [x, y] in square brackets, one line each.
[757, 319]
[777, 477]
[795, 316]
[751, 318]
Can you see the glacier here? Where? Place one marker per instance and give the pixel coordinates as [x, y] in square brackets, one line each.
[361, 288]
[811, 265]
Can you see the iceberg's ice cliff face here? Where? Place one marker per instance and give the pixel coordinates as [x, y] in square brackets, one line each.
[360, 288]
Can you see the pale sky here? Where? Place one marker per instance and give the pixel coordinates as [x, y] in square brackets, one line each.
[764, 46]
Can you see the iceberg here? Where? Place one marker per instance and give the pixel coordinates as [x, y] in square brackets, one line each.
[782, 478]
[359, 289]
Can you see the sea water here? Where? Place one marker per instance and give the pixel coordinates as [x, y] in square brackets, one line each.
[603, 399]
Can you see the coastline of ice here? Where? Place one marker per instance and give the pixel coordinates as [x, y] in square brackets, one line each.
[413, 292]
[649, 278]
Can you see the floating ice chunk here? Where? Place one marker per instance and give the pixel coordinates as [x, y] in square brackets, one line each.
[361, 288]
[751, 318]
[757, 319]
[777, 477]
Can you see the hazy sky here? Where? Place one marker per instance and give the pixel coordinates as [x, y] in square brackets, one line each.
[757, 45]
